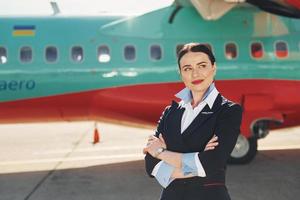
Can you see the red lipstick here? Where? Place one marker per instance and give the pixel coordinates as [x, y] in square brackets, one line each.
[195, 82]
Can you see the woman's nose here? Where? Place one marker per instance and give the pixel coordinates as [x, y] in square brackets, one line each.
[196, 72]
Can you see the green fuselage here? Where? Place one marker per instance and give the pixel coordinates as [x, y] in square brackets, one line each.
[242, 26]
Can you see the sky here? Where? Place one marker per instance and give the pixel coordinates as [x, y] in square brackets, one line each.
[80, 7]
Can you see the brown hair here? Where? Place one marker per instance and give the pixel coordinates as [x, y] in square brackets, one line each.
[195, 47]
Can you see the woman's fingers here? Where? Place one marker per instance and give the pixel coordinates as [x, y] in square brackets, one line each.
[161, 138]
[213, 144]
[209, 148]
[151, 137]
[213, 139]
[145, 150]
[153, 142]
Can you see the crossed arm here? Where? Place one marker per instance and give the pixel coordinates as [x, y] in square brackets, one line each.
[170, 157]
[227, 130]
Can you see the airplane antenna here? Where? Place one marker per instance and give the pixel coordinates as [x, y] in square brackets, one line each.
[55, 7]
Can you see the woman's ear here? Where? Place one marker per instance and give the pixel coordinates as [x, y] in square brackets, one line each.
[214, 65]
[179, 71]
[215, 69]
[179, 74]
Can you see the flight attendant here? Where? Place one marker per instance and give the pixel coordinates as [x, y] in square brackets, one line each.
[180, 155]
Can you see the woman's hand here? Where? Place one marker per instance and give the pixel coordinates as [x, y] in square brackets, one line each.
[212, 143]
[153, 144]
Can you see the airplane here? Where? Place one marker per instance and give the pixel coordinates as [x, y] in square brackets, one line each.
[120, 68]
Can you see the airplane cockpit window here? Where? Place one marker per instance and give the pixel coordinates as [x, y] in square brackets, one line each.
[3, 55]
[103, 54]
[77, 54]
[26, 54]
[257, 50]
[51, 54]
[129, 52]
[230, 51]
[155, 52]
[281, 49]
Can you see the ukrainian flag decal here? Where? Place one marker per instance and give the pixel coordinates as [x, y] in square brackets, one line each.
[21, 31]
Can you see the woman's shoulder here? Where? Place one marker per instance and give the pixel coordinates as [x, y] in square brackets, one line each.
[230, 107]
[172, 106]
[168, 107]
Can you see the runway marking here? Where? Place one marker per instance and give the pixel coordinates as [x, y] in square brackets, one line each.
[81, 158]
[279, 147]
[92, 149]
[103, 157]
[140, 147]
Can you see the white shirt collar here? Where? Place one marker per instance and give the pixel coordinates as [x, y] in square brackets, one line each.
[209, 96]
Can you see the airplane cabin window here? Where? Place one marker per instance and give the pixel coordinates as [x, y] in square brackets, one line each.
[3, 55]
[77, 54]
[129, 52]
[26, 54]
[230, 51]
[103, 54]
[155, 51]
[257, 50]
[281, 49]
[51, 54]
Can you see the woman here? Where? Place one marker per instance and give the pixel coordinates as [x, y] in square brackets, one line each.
[177, 155]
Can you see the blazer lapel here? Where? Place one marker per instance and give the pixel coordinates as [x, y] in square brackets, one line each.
[203, 116]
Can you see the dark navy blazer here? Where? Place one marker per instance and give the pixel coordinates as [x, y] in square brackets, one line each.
[223, 119]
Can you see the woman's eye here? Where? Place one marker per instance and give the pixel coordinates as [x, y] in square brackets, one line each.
[187, 69]
[202, 66]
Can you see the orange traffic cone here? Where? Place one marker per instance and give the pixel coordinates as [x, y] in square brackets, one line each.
[96, 135]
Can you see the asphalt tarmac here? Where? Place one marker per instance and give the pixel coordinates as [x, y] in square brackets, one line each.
[58, 161]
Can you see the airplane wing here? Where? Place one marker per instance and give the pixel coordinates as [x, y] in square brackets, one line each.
[287, 8]
[214, 9]
[210, 9]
